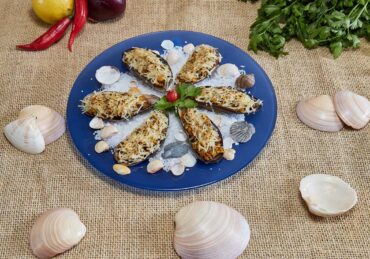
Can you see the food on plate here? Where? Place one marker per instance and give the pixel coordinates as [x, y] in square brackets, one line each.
[149, 66]
[144, 140]
[227, 99]
[204, 136]
[202, 62]
[116, 105]
[245, 81]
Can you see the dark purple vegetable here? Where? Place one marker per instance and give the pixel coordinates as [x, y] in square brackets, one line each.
[102, 10]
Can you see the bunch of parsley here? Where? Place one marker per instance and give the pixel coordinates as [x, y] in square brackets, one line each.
[337, 24]
[186, 93]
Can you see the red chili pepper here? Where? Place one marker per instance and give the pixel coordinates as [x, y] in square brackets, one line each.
[81, 12]
[51, 36]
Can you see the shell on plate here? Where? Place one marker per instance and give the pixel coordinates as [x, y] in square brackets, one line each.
[327, 195]
[228, 70]
[56, 231]
[206, 229]
[242, 131]
[319, 113]
[50, 122]
[25, 135]
[353, 109]
[107, 75]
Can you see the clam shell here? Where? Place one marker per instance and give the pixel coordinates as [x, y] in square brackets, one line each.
[327, 195]
[50, 123]
[107, 75]
[56, 231]
[242, 131]
[228, 70]
[353, 109]
[319, 113]
[25, 135]
[206, 229]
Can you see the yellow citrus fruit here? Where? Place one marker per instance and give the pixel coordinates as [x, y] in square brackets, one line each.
[52, 11]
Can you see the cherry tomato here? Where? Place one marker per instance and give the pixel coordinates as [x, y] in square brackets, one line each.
[172, 96]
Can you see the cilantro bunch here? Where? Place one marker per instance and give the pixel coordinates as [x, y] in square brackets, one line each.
[186, 93]
[336, 24]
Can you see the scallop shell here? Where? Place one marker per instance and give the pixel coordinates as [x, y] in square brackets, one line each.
[50, 123]
[327, 195]
[25, 135]
[107, 75]
[242, 131]
[56, 231]
[319, 113]
[206, 229]
[353, 109]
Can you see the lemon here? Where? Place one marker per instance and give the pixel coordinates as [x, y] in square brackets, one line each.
[52, 11]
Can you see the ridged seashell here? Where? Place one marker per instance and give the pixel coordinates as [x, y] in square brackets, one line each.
[228, 70]
[175, 149]
[242, 131]
[56, 231]
[245, 81]
[353, 109]
[319, 113]
[107, 75]
[327, 195]
[50, 123]
[210, 230]
[25, 135]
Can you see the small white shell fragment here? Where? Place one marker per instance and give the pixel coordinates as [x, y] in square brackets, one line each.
[167, 44]
[154, 166]
[179, 136]
[188, 160]
[229, 154]
[101, 147]
[108, 131]
[96, 123]
[25, 135]
[327, 195]
[228, 142]
[178, 169]
[172, 57]
[121, 169]
[107, 75]
[188, 48]
[228, 70]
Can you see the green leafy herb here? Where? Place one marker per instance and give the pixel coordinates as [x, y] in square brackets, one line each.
[186, 92]
[336, 24]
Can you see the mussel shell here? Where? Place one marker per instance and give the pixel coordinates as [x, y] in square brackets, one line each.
[175, 150]
[218, 157]
[143, 78]
[242, 131]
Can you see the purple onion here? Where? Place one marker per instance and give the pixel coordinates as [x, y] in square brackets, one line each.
[102, 10]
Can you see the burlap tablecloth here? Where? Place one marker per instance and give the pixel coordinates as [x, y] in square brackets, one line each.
[127, 223]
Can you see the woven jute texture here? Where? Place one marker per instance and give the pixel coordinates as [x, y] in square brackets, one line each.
[127, 223]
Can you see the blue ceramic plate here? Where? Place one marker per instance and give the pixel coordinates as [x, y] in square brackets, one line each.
[200, 175]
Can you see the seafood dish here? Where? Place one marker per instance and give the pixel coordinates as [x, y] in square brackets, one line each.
[143, 141]
[116, 105]
[149, 66]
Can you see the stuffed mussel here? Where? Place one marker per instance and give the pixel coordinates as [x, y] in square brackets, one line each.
[144, 141]
[202, 62]
[116, 105]
[227, 99]
[204, 136]
[149, 66]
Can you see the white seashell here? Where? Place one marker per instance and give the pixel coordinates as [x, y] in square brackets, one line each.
[121, 169]
[210, 230]
[228, 70]
[188, 160]
[319, 113]
[154, 166]
[50, 123]
[25, 135]
[167, 44]
[108, 131]
[101, 147]
[96, 123]
[177, 169]
[172, 57]
[56, 231]
[353, 109]
[188, 48]
[179, 136]
[327, 195]
[107, 75]
[229, 154]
